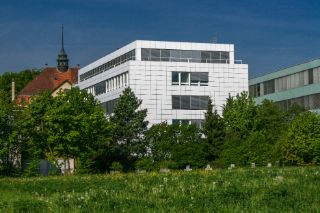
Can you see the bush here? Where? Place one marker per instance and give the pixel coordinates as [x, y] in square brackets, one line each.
[32, 169]
[116, 166]
[144, 164]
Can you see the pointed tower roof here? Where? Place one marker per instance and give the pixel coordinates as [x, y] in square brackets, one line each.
[63, 61]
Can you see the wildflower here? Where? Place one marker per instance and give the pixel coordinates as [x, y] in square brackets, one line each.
[165, 179]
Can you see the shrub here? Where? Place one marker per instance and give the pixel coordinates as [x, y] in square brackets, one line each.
[116, 166]
[144, 164]
[32, 169]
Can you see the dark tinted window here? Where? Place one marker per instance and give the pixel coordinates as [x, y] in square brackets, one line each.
[175, 77]
[175, 102]
[189, 102]
[310, 73]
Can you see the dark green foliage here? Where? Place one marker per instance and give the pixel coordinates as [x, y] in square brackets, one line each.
[76, 126]
[301, 143]
[116, 166]
[252, 131]
[181, 144]
[214, 130]
[10, 145]
[144, 164]
[31, 168]
[239, 113]
[270, 123]
[71, 125]
[21, 79]
[130, 126]
[34, 129]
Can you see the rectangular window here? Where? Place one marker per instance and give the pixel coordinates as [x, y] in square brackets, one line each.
[205, 57]
[175, 102]
[251, 91]
[203, 102]
[109, 106]
[196, 56]
[187, 102]
[197, 122]
[195, 78]
[257, 90]
[310, 73]
[175, 78]
[155, 54]
[184, 77]
[175, 55]
[225, 57]
[195, 102]
[175, 122]
[186, 55]
[165, 55]
[269, 87]
[100, 88]
[185, 122]
[215, 57]
[145, 54]
[199, 78]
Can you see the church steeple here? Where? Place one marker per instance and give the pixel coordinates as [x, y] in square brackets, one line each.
[63, 61]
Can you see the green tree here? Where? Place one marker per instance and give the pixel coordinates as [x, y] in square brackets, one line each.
[301, 143]
[130, 126]
[9, 143]
[71, 125]
[77, 128]
[239, 113]
[252, 131]
[214, 130]
[21, 78]
[34, 129]
[179, 144]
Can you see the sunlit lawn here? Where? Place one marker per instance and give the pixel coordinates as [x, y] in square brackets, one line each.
[236, 190]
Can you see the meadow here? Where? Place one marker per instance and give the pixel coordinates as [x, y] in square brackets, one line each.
[290, 189]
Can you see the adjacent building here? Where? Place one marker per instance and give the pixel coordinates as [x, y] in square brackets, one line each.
[52, 79]
[298, 84]
[173, 79]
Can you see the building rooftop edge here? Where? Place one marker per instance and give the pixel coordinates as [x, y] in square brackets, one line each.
[138, 42]
[286, 71]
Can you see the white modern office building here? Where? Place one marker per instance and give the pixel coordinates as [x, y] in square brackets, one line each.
[173, 79]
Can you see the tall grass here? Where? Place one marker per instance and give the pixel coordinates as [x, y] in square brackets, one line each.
[237, 190]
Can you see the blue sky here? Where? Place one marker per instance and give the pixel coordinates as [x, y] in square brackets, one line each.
[268, 34]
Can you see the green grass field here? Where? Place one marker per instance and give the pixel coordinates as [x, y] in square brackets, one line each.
[237, 190]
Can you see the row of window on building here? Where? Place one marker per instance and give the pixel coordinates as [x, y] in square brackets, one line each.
[189, 102]
[195, 56]
[303, 78]
[110, 84]
[190, 78]
[197, 122]
[108, 65]
[308, 102]
[109, 106]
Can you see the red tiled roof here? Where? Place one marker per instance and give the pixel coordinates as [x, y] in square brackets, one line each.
[49, 80]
